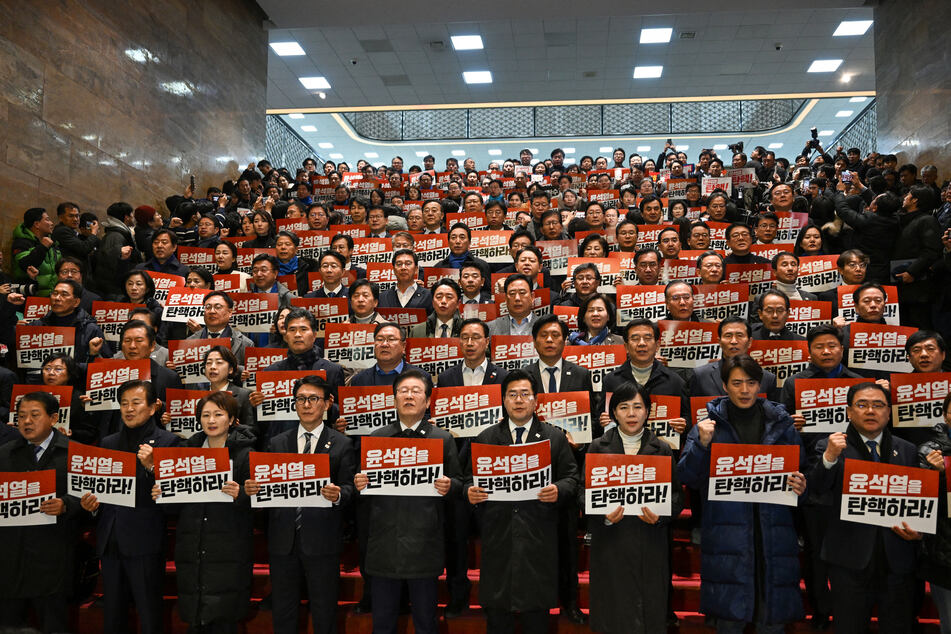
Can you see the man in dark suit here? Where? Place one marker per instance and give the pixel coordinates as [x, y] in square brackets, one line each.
[130, 542]
[445, 319]
[735, 335]
[405, 540]
[332, 269]
[218, 307]
[460, 237]
[389, 344]
[474, 283]
[868, 565]
[407, 294]
[475, 368]
[553, 374]
[520, 539]
[519, 300]
[772, 307]
[303, 353]
[36, 561]
[306, 542]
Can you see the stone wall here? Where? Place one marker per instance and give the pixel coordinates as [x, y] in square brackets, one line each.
[103, 101]
[913, 81]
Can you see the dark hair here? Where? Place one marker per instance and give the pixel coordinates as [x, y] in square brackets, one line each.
[774, 293]
[745, 363]
[165, 232]
[925, 197]
[290, 235]
[203, 273]
[848, 254]
[231, 247]
[332, 254]
[408, 252]
[642, 252]
[223, 295]
[386, 324]
[593, 237]
[865, 287]
[464, 227]
[641, 322]
[733, 226]
[374, 288]
[72, 369]
[119, 210]
[925, 335]
[734, 320]
[475, 320]
[519, 374]
[301, 313]
[149, 282]
[314, 380]
[32, 216]
[531, 249]
[224, 400]
[866, 385]
[767, 215]
[75, 287]
[550, 319]
[345, 237]
[47, 400]
[802, 236]
[673, 283]
[824, 329]
[515, 277]
[138, 323]
[151, 396]
[229, 358]
[626, 392]
[451, 283]
[414, 373]
[608, 304]
[782, 254]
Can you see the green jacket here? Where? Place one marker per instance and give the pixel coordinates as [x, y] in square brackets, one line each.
[29, 251]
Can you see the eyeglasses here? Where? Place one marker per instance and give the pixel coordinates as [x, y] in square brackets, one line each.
[469, 338]
[53, 370]
[856, 265]
[640, 338]
[414, 391]
[773, 312]
[519, 396]
[312, 400]
[387, 340]
[864, 405]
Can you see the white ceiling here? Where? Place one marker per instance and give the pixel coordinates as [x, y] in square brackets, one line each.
[534, 53]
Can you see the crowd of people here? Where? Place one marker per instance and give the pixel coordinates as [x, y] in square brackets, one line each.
[305, 239]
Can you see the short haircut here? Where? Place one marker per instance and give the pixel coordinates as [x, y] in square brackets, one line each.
[414, 373]
[734, 226]
[343, 236]
[640, 323]
[824, 329]
[316, 381]
[228, 357]
[767, 215]
[707, 254]
[165, 232]
[32, 216]
[388, 324]
[223, 399]
[519, 374]
[782, 254]
[290, 235]
[608, 305]
[520, 233]
[472, 264]
[550, 319]
[408, 252]
[734, 320]
[270, 259]
[650, 199]
[223, 295]
[301, 313]
[151, 396]
[673, 283]
[138, 323]
[849, 254]
[866, 385]
[450, 283]
[924, 335]
[668, 230]
[47, 400]
[360, 283]
[646, 251]
[515, 277]
[745, 363]
[332, 254]
[760, 301]
[868, 286]
[626, 392]
[475, 320]
[203, 273]
[530, 249]
[74, 287]
[464, 227]
[71, 260]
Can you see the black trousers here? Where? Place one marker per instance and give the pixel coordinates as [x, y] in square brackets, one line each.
[132, 579]
[856, 592]
[568, 553]
[386, 604]
[50, 610]
[503, 622]
[459, 515]
[815, 523]
[321, 575]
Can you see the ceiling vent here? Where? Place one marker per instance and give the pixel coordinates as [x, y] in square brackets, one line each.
[688, 35]
[376, 46]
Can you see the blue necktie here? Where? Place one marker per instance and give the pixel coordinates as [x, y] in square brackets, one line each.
[552, 383]
[873, 449]
[299, 516]
[519, 432]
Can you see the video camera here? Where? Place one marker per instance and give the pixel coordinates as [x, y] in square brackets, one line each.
[736, 148]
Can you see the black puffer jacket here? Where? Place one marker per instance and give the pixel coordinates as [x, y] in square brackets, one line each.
[875, 235]
[935, 562]
[213, 546]
[920, 241]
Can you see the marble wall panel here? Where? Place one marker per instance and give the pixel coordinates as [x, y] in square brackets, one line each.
[913, 81]
[103, 101]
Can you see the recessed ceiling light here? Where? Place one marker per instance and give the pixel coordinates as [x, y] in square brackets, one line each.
[845, 78]
[467, 42]
[296, 115]
[371, 155]
[308, 128]
[325, 146]
[458, 152]
[336, 156]
[844, 113]
[826, 132]
[422, 153]
[495, 152]
[824, 66]
[648, 72]
[315, 83]
[852, 27]
[569, 161]
[568, 150]
[656, 36]
[287, 49]
[533, 150]
[477, 76]
[179, 88]
[774, 146]
[683, 148]
[643, 148]
[605, 148]
[719, 146]
[858, 99]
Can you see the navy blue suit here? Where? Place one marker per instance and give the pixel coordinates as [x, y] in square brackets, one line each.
[422, 298]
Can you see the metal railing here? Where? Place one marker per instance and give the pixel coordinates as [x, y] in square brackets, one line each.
[284, 147]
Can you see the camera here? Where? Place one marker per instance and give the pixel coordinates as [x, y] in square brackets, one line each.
[353, 62]
[736, 148]
[779, 46]
[813, 143]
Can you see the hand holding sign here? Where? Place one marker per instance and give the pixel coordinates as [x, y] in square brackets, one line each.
[145, 456]
[331, 493]
[799, 421]
[477, 495]
[548, 494]
[89, 502]
[648, 517]
[54, 507]
[360, 481]
[705, 429]
[906, 532]
[616, 515]
[251, 487]
[678, 424]
[797, 482]
[835, 447]
[442, 485]
[936, 459]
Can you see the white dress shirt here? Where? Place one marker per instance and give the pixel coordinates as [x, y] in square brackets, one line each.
[543, 371]
[301, 441]
[405, 296]
[474, 376]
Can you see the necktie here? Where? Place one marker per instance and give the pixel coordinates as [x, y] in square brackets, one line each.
[37, 450]
[299, 516]
[519, 432]
[873, 449]
[552, 383]
[443, 330]
[471, 301]
[331, 294]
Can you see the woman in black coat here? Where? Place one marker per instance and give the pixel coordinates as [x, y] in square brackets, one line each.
[876, 231]
[630, 570]
[213, 541]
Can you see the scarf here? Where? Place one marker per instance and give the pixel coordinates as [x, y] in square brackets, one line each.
[131, 437]
[578, 338]
[303, 361]
[455, 261]
[286, 268]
